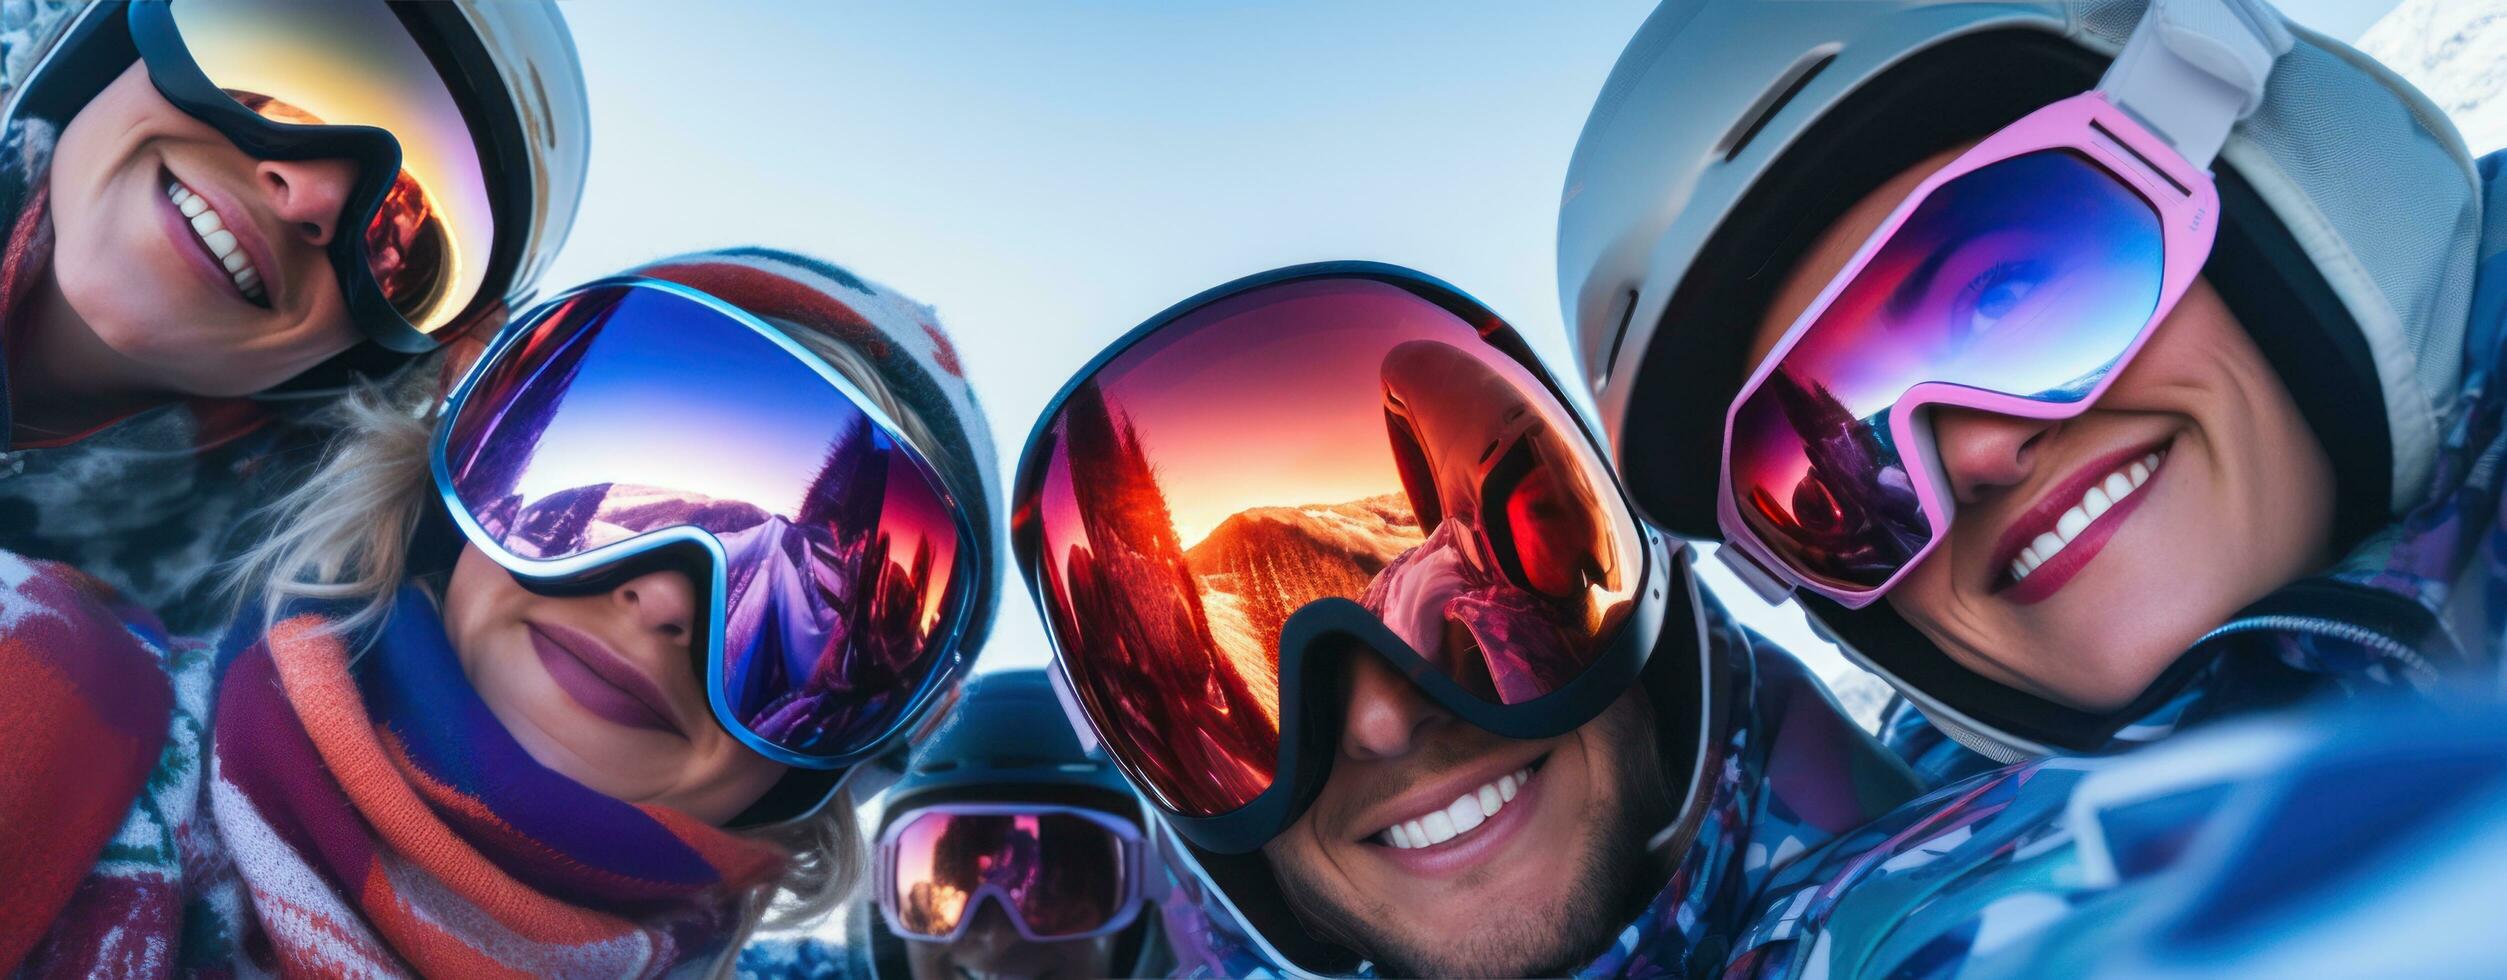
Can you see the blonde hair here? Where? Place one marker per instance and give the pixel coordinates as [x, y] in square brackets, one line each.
[344, 534]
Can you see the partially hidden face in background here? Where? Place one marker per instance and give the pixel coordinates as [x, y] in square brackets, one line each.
[992, 947]
[604, 688]
[2191, 488]
[201, 268]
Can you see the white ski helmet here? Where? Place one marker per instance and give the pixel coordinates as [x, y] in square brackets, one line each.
[55, 56]
[2351, 214]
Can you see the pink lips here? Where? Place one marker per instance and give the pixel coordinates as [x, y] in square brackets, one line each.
[233, 216]
[194, 252]
[2059, 570]
[605, 685]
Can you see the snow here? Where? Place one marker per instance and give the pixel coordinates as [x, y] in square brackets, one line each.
[2456, 52]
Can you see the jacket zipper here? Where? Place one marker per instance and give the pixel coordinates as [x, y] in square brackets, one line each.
[2349, 632]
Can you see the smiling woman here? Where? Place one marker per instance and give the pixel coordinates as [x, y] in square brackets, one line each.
[2082, 399]
[177, 249]
[489, 723]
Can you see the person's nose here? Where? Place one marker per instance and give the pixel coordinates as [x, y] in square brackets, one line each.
[307, 194]
[1386, 713]
[1983, 452]
[990, 939]
[661, 603]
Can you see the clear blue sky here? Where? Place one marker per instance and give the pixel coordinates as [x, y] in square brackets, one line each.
[1049, 174]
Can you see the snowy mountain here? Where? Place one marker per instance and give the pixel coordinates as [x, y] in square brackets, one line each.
[1261, 565]
[2456, 51]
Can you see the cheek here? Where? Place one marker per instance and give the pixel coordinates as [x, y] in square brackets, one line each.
[231, 361]
[751, 776]
[2271, 471]
[476, 599]
[1925, 596]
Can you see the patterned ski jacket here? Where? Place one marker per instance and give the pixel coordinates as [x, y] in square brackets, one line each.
[147, 503]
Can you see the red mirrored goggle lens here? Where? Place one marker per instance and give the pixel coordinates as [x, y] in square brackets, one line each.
[2030, 277]
[631, 409]
[1320, 438]
[1062, 873]
[354, 63]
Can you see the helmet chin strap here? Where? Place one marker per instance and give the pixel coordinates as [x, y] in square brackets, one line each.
[2193, 68]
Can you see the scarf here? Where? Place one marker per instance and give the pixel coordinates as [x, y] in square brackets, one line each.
[382, 821]
[83, 715]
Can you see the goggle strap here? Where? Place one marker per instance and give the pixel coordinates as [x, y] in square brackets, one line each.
[2193, 68]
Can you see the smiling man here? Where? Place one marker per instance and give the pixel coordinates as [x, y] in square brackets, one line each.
[1439, 849]
[1346, 592]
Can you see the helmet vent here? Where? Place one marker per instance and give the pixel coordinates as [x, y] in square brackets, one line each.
[1786, 87]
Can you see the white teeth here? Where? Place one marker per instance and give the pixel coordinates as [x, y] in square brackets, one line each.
[1460, 817]
[222, 243]
[2096, 502]
[2098, 499]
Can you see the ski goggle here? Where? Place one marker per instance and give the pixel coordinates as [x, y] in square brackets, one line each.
[321, 79]
[1059, 872]
[634, 424]
[1265, 478]
[2019, 279]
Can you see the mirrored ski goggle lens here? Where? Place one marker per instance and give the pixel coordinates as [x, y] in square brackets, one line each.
[1326, 438]
[627, 410]
[353, 63]
[1062, 873]
[2029, 277]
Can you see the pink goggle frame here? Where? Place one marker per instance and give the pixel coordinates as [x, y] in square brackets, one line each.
[2187, 205]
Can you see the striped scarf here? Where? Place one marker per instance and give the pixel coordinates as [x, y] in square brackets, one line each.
[382, 821]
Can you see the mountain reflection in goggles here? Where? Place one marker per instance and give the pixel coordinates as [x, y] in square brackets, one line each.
[1328, 438]
[590, 435]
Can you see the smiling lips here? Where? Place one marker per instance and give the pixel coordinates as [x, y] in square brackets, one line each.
[600, 681]
[222, 244]
[1463, 816]
[2072, 523]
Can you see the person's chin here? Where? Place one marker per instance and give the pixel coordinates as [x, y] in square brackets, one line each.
[1484, 919]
